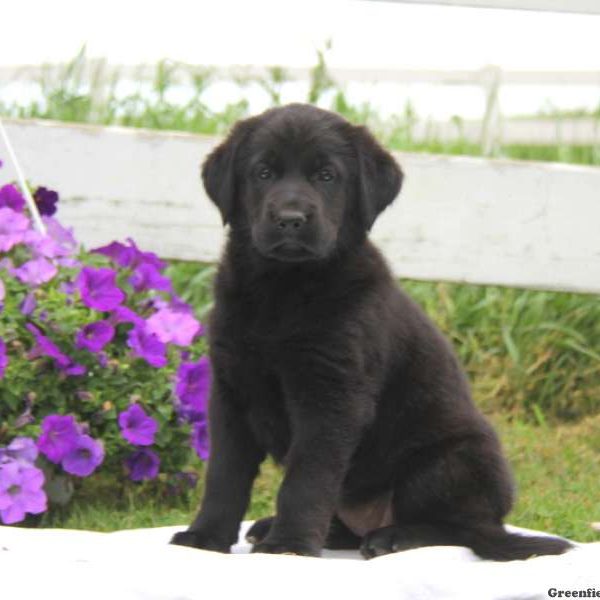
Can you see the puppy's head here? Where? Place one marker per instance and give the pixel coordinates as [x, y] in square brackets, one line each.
[303, 182]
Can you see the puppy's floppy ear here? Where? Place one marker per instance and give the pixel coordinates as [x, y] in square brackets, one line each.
[379, 176]
[218, 170]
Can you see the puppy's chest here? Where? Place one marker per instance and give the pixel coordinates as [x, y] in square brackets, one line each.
[256, 378]
[255, 347]
[271, 325]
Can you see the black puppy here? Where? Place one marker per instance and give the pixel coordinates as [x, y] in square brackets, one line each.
[321, 361]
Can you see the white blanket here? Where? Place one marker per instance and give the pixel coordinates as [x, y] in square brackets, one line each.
[38, 564]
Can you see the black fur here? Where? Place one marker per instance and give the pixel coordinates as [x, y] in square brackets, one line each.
[321, 360]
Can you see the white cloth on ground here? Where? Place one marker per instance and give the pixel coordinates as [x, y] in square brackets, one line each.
[139, 564]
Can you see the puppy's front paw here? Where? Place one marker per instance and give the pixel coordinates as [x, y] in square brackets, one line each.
[286, 547]
[195, 539]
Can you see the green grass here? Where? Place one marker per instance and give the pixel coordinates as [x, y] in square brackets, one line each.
[558, 475]
[530, 355]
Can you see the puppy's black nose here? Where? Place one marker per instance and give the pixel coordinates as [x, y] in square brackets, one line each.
[290, 219]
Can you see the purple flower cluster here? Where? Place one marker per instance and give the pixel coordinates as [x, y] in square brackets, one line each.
[139, 430]
[172, 323]
[63, 442]
[128, 303]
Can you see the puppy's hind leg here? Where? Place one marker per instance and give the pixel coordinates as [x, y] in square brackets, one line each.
[457, 494]
[396, 538]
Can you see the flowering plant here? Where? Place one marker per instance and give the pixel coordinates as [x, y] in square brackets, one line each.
[102, 366]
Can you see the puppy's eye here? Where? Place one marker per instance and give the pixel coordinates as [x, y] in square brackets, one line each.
[264, 173]
[325, 174]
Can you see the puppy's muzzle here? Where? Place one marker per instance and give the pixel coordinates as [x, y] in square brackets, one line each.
[289, 221]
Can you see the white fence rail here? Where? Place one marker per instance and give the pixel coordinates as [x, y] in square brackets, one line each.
[459, 219]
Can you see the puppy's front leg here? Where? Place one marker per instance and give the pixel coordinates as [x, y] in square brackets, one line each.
[326, 430]
[233, 465]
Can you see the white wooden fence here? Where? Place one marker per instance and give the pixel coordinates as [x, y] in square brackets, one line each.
[458, 219]
[491, 131]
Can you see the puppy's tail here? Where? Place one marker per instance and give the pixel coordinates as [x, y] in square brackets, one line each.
[495, 543]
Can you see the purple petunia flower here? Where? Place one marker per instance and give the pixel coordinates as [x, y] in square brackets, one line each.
[58, 242]
[143, 464]
[83, 457]
[174, 327]
[3, 358]
[46, 347]
[146, 257]
[13, 227]
[123, 314]
[192, 388]
[129, 256]
[200, 440]
[21, 449]
[35, 272]
[94, 336]
[59, 435]
[46, 201]
[147, 277]
[122, 255]
[29, 304]
[137, 427]
[98, 288]
[147, 346]
[20, 491]
[11, 197]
